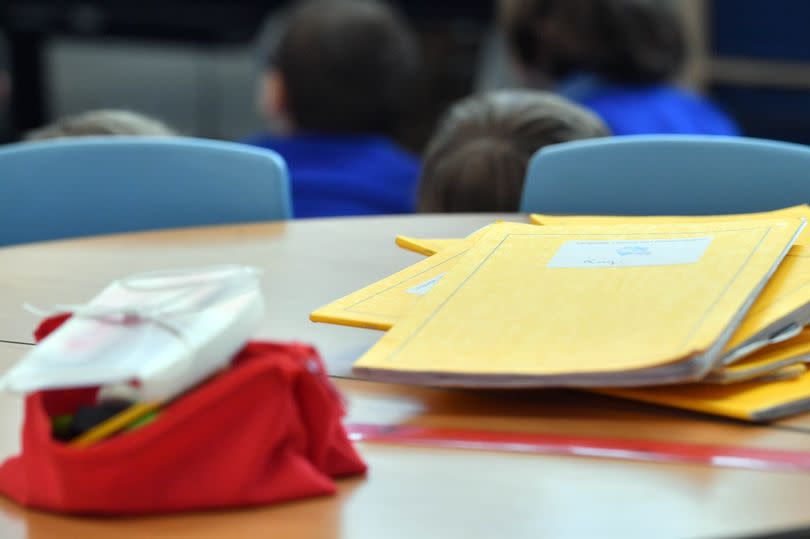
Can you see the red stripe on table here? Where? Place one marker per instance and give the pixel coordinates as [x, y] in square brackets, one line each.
[581, 446]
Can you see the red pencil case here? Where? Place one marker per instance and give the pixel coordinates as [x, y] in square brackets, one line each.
[265, 430]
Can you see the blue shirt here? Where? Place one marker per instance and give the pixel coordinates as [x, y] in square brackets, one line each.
[335, 175]
[653, 109]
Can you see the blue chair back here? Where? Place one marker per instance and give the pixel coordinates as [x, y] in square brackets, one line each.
[97, 185]
[667, 175]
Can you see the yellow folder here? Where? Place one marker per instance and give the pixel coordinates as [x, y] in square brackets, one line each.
[784, 306]
[427, 246]
[381, 304]
[784, 301]
[752, 401]
[802, 210]
[765, 361]
[778, 314]
[431, 246]
[586, 305]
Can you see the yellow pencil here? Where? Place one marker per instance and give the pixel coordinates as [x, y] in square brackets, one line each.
[114, 424]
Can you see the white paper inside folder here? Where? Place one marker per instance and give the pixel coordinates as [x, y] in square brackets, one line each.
[167, 330]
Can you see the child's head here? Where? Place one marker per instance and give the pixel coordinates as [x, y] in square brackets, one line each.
[477, 159]
[625, 41]
[341, 66]
[102, 122]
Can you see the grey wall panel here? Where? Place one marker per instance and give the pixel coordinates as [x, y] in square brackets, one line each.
[202, 91]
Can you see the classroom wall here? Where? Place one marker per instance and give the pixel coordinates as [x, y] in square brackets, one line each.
[759, 65]
[204, 91]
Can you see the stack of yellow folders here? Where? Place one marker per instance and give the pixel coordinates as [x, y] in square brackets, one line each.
[706, 311]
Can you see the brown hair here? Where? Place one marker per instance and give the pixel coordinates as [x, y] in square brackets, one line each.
[625, 41]
[477, 159]
[349, 66]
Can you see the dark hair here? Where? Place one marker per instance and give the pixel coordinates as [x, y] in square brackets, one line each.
[477, 159]
[625, 41]
[348, 66]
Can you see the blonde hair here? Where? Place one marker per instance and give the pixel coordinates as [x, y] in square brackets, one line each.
[102, 122]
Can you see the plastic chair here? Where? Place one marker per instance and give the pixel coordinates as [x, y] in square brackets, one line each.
[97, 185]
[667, 175]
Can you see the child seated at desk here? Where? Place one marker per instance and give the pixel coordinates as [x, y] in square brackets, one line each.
[338, 87]
[102, 122]
[616, 57]
[477, 159]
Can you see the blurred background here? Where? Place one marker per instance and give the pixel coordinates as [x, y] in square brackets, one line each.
[194, 63]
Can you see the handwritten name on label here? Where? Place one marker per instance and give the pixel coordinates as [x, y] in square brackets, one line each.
[629, 253]
[423, 288]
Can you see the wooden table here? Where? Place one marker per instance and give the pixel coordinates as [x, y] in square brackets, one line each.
[410, 492]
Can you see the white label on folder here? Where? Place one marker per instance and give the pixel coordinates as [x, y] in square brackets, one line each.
[423, 288]
[627, 253]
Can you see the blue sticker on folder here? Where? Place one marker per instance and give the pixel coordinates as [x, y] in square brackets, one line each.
[423, 288]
